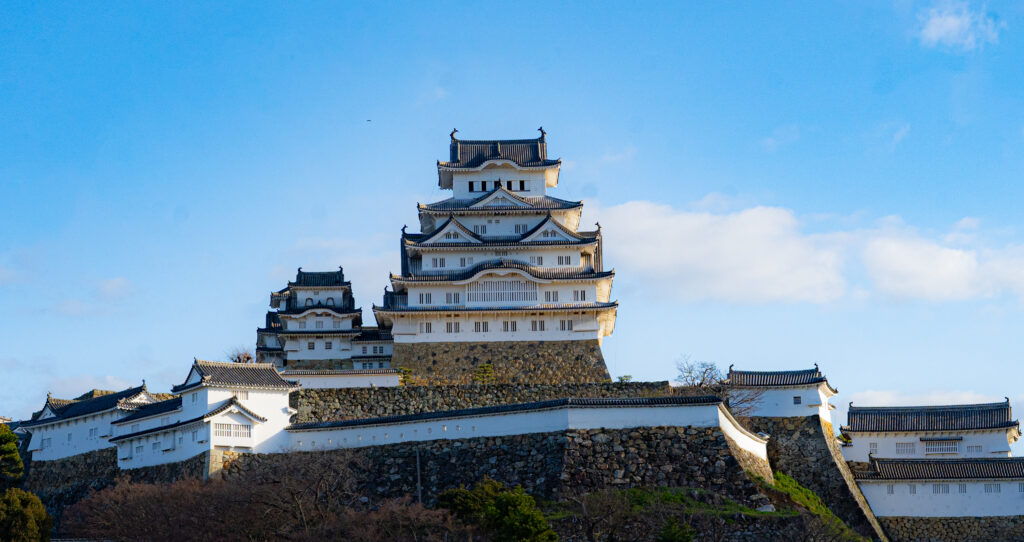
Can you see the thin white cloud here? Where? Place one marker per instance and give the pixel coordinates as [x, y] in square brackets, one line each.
[780, 137]
[955, 25]
[900, 132]
[7, 275]
[756, 255]
[938, 397]
[73, 386]
[115, 288]
[624, 155]
[906, 265]
[75, 308]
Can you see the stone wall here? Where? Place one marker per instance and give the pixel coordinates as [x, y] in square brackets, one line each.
[806, 449]
[548, 465]
[535, 362]
[907, 529]
[63, 482]
[315, 405]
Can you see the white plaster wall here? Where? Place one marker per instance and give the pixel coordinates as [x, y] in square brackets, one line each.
[345, 381]
[974, 503]
[366, 348]
[298, 347]
[328, 321]
[78, 429]
[743, 438]
[778, 402]
[516, 423]
[565, 292]
[585, 327]
[453, 256]
[993, 444]
[319, 296]
[535, 181]
[185, 446]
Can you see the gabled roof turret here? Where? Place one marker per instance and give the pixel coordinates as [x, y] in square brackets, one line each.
[233, 375]
[931, 418]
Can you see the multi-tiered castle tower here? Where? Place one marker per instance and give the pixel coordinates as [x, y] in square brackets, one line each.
[500, 274]
[315, 324]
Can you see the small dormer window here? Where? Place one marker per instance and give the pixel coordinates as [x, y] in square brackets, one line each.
[309, 301]
[330, 301]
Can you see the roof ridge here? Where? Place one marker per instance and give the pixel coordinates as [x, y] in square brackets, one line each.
[931, 407]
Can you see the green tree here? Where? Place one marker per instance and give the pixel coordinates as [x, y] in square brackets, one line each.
[506, 515]
[11, 467]
[484, 374]
[23, 517]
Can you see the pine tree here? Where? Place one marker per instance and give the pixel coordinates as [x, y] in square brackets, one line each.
[11, 467]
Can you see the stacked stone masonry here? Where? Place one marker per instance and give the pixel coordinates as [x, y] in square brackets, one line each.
[317, 405]
[806, 449]
[965, 529]
[63, 482]
[534, 362]
[549, 465]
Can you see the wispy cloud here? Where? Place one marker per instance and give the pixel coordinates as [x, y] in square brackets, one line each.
[72, 386]
[756, 255]
[624, 155]
[938, 397]
[115, 288]
[955, 25]
[762, 254]
[76, 308]
[7, 275]
[781, 137]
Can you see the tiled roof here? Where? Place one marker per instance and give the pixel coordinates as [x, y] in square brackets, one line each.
[536, 203]
[556, 273]
[930, 418]
[775, 378]
[541, 307]
[472, 153]
[368, 334]
[338, 372]
[320, 307]
[125, 399]
[945, 469]
[520, 407]
[228, 374]
[152, 409]
[227, 404]
[319, 278]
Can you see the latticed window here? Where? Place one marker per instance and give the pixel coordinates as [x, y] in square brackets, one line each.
[232, 430]
[940, 489]
[904, 448]
[993, 488]
[974, 448]
[941, 447]
[961, 488]
[913, 489]
[490, 291]
[873, 448]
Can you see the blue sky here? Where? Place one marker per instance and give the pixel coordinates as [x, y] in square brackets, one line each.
[779, 185]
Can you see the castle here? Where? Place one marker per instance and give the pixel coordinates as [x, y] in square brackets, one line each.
[492, 330]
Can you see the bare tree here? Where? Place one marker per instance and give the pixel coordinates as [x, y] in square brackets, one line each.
[705, 378]
[240, 354]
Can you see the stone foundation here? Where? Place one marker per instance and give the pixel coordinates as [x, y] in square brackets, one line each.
[907, 529]
[806, 449]
[63, 482]
[534, 362]
[548, 465]
[317, 405]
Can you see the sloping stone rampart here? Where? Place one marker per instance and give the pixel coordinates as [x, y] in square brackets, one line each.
[62, 482]
[534, 362]
[806, 449]
[316, 405]
[987, 529]
[548, 465]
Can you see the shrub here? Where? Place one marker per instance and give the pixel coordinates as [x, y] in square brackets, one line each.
[505, 515]
[11, 467]
[23, 517]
